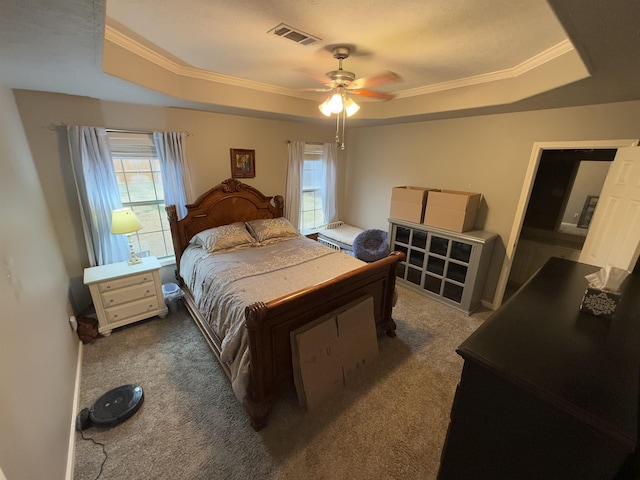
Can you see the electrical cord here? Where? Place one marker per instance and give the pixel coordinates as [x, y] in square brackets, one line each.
[103, 451]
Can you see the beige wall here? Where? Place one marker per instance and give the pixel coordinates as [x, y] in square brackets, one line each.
[38, 350]
[487, 154]
[210, 137]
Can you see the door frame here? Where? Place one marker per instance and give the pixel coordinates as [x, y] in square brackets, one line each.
[527, 186]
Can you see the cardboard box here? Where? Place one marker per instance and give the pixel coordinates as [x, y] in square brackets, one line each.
[358, 339]
[317, 367]
[408, 203]
[600, 303]
[452, 210]
[328, 352]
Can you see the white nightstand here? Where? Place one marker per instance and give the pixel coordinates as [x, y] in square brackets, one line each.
[123, 294]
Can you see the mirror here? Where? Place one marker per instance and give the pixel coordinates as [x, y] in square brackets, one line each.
[565, 194]
[583, 197]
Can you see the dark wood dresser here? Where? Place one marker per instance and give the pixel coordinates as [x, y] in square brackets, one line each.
[548, 392]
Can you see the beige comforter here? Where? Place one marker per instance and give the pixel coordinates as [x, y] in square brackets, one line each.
[223, 284]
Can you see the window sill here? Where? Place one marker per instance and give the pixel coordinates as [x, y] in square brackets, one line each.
[167, 261]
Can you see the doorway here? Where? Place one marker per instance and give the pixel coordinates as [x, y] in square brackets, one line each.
[526, 194]
[565, 193]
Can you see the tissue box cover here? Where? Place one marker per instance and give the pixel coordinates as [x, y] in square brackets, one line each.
[600, 303]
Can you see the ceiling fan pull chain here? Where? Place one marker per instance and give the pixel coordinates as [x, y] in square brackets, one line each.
[344, 121]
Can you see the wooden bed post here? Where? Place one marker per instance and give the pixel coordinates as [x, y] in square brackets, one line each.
[259, 401]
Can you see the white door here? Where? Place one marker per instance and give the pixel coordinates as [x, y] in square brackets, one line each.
[614, 233]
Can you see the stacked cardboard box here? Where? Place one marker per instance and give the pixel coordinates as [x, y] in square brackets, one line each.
[328, 352]
[408, 203]
[447, 209]
[452, 210]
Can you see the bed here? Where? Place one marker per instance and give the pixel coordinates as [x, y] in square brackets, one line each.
[262, 353]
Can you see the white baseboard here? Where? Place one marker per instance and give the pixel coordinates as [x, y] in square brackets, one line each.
[72, 432]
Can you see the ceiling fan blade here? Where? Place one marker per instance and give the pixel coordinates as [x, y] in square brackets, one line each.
[325, 90]
[363, 92]
[380, 79]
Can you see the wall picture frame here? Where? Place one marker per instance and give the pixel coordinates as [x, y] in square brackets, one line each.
[587, 211]
[243, 163]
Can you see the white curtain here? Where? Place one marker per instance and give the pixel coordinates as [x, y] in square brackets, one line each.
[329, 194]
[294, 182]
[97, 192]
[175, 171]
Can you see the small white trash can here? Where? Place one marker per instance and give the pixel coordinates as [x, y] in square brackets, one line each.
[172, 294]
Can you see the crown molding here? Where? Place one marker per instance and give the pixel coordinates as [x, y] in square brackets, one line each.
[136, 48]
[538, 60]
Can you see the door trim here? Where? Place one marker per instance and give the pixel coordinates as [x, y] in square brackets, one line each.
[527, 186]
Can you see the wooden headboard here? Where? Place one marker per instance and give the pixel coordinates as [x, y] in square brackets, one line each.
[228, 202]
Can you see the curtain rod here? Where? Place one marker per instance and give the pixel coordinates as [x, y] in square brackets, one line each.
[186, 132]
[55, 126]
[309, 143]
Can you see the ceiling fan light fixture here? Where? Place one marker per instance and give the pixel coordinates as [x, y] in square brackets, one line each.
[324, 108]
[341, 83]
[351, 107]
[335, 103]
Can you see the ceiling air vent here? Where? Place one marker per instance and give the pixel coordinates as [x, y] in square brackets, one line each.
[285, 31]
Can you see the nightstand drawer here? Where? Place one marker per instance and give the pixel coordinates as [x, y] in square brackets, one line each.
[124, 295]
[110, 285]
[122, 312]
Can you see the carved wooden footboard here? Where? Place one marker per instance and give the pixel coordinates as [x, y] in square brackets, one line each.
[270, 324]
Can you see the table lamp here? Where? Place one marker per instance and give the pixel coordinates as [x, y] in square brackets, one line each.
[124, 221]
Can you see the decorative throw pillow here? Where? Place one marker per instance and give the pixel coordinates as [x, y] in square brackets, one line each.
[271, 228]
[200, 238]
[227, 237]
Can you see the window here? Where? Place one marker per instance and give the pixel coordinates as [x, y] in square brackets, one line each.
[137, 169]
[313, 184]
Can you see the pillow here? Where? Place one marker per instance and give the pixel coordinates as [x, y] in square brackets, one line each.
[271, 228]
[200, 238]
[229, 236]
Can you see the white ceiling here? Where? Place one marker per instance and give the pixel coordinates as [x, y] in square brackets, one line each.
[455, 57]
[425, 42]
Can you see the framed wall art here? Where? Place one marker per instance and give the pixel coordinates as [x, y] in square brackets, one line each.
[243, 163]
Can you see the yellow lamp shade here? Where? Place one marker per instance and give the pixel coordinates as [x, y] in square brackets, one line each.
[123, 221]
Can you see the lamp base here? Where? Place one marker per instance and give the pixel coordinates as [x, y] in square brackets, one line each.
[134, 261]
[133, 258]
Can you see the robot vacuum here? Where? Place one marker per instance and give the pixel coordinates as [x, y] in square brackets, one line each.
[112, 408]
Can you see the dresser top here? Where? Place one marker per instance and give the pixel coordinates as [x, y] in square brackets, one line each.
[481, 236]
[585, 365]
[120, 269]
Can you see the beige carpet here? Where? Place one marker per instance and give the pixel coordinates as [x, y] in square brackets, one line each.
[390, 424]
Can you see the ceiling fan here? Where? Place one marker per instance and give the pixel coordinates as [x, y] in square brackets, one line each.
[341, 82]
[346, 81]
